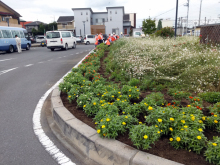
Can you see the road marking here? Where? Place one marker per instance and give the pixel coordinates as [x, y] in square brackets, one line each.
[5, 71]
[71, 54]
[41, 62]
[77, 53]
[7, 59]
[81, 52]
[50, 60]
[64, 56]
[28, 65]
[49, 146]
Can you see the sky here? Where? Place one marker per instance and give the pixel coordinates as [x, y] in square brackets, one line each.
[49, 10]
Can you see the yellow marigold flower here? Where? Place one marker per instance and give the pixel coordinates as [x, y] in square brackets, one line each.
[185, 126]
[101, 120]
[215, 115]
[200, 129]
[104, 134]
[137, 90]
[129, 90]
[83, 80]
[74, 94]
[129, 95]
[183, 121]
[162, 103]
[171, 139]
[178, 139]
[150, 108]
[122, 101]
[216, 121]
[125, 100]
[113, 96]
[120, 96]
[145, 136]
[171, 119]
[94, 103]
[123, 123]
[96, 123]
[103, 126]
[161, 130]
[203, 118]
[84, 106]
[193, 118]
[160, 120]
[184, 113]
[156, 126]
[119, 92]
[98, 131]
[135, 86]
[118, 99]
[146, 104]
[107, 119]
[102, 95]
[199, 137]
[214, 144]
[171, 129]
[188, 105]
[69, 96]
[123, 112]
[158, 132]
[182, 129]
[126, 117]
[101, 101]
[200, 121]
[140, 122]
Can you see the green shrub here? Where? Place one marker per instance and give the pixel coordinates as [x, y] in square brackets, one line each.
[165, 32]
[213, 150]
[134, 82]
[91, 107]
[154, 99]
[211, 97]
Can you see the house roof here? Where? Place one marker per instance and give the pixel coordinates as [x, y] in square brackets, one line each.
[100, 12]
[216, 24]
[65, 19]
[82, 9]
[34, 23]
[10, 9]
[116, 7]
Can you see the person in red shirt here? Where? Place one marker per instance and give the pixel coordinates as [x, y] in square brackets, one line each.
[113, 38]
[96, 43]
[107, 43]
[100, 38]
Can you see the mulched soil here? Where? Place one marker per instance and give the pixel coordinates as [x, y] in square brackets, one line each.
[162, 147]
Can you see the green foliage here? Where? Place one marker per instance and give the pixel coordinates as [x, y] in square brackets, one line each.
[211, 97]
[165, 32]
[148, 26]
[143, 136]
[134, 82]
[91, 107]
[159, 26]
[154, 99]
[213, 150]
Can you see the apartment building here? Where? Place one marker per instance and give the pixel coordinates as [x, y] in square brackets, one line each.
[111, 21]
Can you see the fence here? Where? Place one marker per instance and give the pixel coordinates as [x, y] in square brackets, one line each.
[210, 34]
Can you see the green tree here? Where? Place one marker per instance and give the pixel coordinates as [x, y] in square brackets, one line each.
[148, 26]
[131, 32]
[159, 26]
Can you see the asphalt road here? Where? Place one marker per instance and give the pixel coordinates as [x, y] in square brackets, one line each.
[24, 78]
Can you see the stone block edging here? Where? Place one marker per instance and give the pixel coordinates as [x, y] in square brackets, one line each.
[88, 142]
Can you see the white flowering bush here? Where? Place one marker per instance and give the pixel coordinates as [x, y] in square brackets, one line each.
[182, 61]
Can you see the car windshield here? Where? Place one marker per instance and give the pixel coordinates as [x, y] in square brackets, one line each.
[53, 35]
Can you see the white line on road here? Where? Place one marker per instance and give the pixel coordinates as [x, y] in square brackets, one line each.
[41, 62]
[7, 59]
[28, 65]
[50, 60]
[81, 52]
[5, 71]
[71, 54]
[64, 56]
[59, 57]
[39, 132]
[77, 53]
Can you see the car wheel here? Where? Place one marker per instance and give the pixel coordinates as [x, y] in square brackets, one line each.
[28, 47]
[11, 49]
[74, 45]
[87, 43]
[66, 47]
[52, 49]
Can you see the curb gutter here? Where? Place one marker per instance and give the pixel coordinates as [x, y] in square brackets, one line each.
[102, 151]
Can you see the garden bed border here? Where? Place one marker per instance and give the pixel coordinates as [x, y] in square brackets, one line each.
[88, 142]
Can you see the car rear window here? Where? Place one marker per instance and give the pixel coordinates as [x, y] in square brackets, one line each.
[53, 35]
[1, 34]
[40, 37]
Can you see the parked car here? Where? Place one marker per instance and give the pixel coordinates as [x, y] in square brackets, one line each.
[43, 43]
[40, 38]
[137, 34]
[79, 38]
[33, 40]
[60, 39]
[89, 39]
[126, 35]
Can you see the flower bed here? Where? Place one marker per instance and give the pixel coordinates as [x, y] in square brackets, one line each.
[116, 109]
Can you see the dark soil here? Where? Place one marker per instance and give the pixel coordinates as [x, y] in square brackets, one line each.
[162, 147]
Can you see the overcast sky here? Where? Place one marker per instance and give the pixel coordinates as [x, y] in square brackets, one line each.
[50, 10]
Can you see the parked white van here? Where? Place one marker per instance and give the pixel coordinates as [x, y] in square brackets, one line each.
[60, 39]
[89, 39]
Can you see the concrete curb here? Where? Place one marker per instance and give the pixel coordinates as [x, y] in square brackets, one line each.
[102, 151]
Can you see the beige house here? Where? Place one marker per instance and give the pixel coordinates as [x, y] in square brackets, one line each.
[66, 23]
[7, 13]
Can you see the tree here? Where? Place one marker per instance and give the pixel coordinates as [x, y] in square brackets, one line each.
[159, 26]
[148, 26]
[131, 32]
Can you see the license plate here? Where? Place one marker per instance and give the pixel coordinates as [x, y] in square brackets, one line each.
[42, 43]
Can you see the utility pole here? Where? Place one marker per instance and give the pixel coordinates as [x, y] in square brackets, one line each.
[205, 20]
[187, 17]
[84, 27]
[176, 17]
[200, 11]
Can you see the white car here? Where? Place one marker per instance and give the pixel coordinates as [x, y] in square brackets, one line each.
[79, 38]
[60, 39]
[40, 38]
[89, 39]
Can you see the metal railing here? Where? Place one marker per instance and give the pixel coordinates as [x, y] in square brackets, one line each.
[10, 24]
[210, 34]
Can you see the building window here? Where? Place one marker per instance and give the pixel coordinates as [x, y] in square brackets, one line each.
[3, 18]
[96, 20]
[63, 25]
[110, 18]
[86, 13]
[81, 13]
[115, 12]
[107, 19]
[110, 12]
[87, 19]
[103, 19]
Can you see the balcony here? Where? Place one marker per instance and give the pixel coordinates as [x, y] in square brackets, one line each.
[65, 27]
[10, 24]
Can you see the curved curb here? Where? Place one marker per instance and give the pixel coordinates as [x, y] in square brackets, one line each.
[102, 151]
